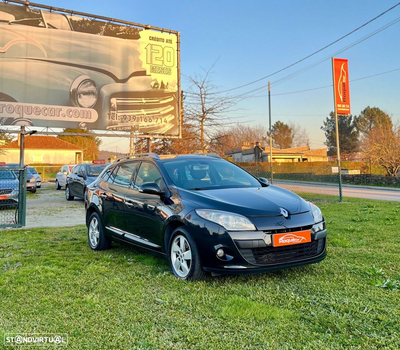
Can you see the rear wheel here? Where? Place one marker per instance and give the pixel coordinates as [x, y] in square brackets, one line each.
[184, 257]
[96, 237]
[68, 196]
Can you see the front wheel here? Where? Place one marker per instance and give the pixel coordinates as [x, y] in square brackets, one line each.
[68, 196]
[183, 256]
[96, 237]
[58, 187]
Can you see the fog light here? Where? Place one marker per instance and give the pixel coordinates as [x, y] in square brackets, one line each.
[220, 253]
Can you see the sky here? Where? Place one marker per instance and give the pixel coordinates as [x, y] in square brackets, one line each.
[247, 41]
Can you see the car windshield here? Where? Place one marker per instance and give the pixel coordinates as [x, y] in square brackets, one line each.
[199, 174]
[95, 170]
[31, 171]
[7, 175]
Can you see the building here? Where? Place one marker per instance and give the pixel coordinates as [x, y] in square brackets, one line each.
[255, 153]
[42, 150]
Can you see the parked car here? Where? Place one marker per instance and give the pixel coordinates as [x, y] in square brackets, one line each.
[32, 171]
[31, 185]
[9, 188]
[81, 176]
[61, 177]
[204, 214]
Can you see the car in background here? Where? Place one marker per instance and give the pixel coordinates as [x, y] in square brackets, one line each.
[81, 176]
[31, 182]
[9, 188]
[204, 214]
[32, 172]
[61, 177]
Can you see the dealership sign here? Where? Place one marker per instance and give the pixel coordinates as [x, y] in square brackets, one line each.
[341, 86]
[69, 71]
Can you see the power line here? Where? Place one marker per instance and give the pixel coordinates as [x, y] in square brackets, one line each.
[314, 53]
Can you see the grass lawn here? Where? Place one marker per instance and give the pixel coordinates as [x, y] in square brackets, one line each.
[51, 282]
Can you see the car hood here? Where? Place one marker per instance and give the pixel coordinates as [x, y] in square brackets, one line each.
[262, 201]
[63, 47]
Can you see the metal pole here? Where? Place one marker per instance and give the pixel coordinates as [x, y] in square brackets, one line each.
[337, 136]
[270, 133]
[21, 146]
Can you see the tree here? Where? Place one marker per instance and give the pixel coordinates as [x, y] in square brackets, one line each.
[282, 135]
[225, 139]
[382, 147]
[4, 139]
[348, 134]
[205, 110]
[369, 118]
[300, 135]
[90, 143]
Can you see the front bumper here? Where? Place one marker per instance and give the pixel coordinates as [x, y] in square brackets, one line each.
[253, 251]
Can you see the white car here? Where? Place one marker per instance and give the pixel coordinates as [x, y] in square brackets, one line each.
[61, 177]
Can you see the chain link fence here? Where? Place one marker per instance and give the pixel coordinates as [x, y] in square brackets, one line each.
[12, 197]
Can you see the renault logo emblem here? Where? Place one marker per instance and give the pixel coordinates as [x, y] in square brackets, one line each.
[284, 212]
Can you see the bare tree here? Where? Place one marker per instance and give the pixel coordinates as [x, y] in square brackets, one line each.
[300, 135]
[234, 137]
[382, 147]
[206, 110]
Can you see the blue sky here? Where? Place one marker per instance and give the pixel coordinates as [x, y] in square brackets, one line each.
[249, 40]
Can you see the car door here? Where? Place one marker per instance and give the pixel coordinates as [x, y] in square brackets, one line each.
[145, 213]
[111, 191]
[78, 181]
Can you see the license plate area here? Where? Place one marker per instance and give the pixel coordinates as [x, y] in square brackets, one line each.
[291, 238]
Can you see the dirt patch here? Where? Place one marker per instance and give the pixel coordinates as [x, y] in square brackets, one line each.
[49, 208]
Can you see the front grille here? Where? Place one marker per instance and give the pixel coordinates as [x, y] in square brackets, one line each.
[285, 254]
[151, 111]
[5, 191]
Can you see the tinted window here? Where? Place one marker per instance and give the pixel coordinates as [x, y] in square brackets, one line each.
[148, 172]
[122, 175]
[94, 170]
[207, 174]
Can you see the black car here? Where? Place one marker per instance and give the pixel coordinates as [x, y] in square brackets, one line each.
[204, 214]
[81, 176]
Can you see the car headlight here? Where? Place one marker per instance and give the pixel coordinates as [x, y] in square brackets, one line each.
[230, 221]
[316, 213]
[83, 92]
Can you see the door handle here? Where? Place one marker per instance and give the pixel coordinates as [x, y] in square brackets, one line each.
[129, 204]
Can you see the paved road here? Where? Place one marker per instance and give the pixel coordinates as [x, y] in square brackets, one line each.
[381, 193]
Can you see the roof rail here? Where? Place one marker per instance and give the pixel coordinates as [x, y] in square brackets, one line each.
[213, 155]
[141, 155]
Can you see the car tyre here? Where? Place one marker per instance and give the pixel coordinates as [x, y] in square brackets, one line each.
[96, 237]
[68, 196]
[183, 256]
[58, 187]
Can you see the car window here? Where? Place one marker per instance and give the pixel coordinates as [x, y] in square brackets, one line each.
[148, 172]
[94, 170]
[76, 169]
[7, 175]
[208, 174]
[122, 175]
[31, 171]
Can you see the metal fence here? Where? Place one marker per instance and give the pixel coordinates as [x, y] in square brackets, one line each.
[12, 197]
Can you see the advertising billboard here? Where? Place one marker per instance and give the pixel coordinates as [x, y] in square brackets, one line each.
[58, 69]
[341, 85]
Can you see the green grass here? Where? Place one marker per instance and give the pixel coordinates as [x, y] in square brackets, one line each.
[51, 282]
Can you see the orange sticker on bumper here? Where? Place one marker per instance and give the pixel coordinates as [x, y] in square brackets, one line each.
[291, 238]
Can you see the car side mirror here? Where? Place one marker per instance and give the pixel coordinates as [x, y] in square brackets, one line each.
[151, 188]
[264, 182]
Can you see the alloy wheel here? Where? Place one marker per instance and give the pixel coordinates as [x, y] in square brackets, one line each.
[181, 256]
